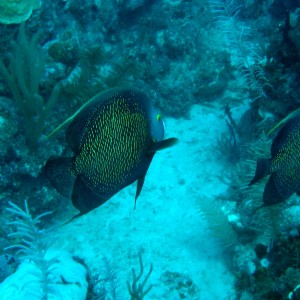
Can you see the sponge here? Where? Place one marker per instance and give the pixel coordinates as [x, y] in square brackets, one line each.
[17, 11]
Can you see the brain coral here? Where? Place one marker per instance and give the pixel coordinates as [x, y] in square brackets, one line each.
[17, 11]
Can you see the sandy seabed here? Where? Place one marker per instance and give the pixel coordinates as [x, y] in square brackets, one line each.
[167, 226]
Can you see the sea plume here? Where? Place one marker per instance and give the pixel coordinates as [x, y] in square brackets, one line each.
[32, 244]
[245, 54]
[43, 273]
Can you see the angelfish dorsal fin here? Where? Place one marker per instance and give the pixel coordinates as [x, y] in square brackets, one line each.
[291, 115]
[72, 117]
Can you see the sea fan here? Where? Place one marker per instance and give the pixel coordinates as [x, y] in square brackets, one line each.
[218, 224]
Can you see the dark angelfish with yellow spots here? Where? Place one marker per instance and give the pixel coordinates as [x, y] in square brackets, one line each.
[114, 137]
[284, 165]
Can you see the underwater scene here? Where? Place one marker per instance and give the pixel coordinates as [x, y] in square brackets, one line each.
[149, 149]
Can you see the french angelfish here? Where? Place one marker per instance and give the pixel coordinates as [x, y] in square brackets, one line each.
[284, 164]
[114, 137]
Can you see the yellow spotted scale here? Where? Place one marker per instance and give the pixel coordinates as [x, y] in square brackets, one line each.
[284, 164]
[114, 137]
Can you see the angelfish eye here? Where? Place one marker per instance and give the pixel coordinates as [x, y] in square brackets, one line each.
[158, 117]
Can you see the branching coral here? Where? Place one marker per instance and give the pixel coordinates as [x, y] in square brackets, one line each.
[137, 290]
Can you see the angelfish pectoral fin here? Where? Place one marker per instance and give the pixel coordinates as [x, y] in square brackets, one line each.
[139, 186]
[164, 144]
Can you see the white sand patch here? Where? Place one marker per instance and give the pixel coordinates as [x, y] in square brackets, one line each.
[166, 225]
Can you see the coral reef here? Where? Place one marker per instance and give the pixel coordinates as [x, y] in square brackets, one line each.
[239, 59]
[14, 11]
